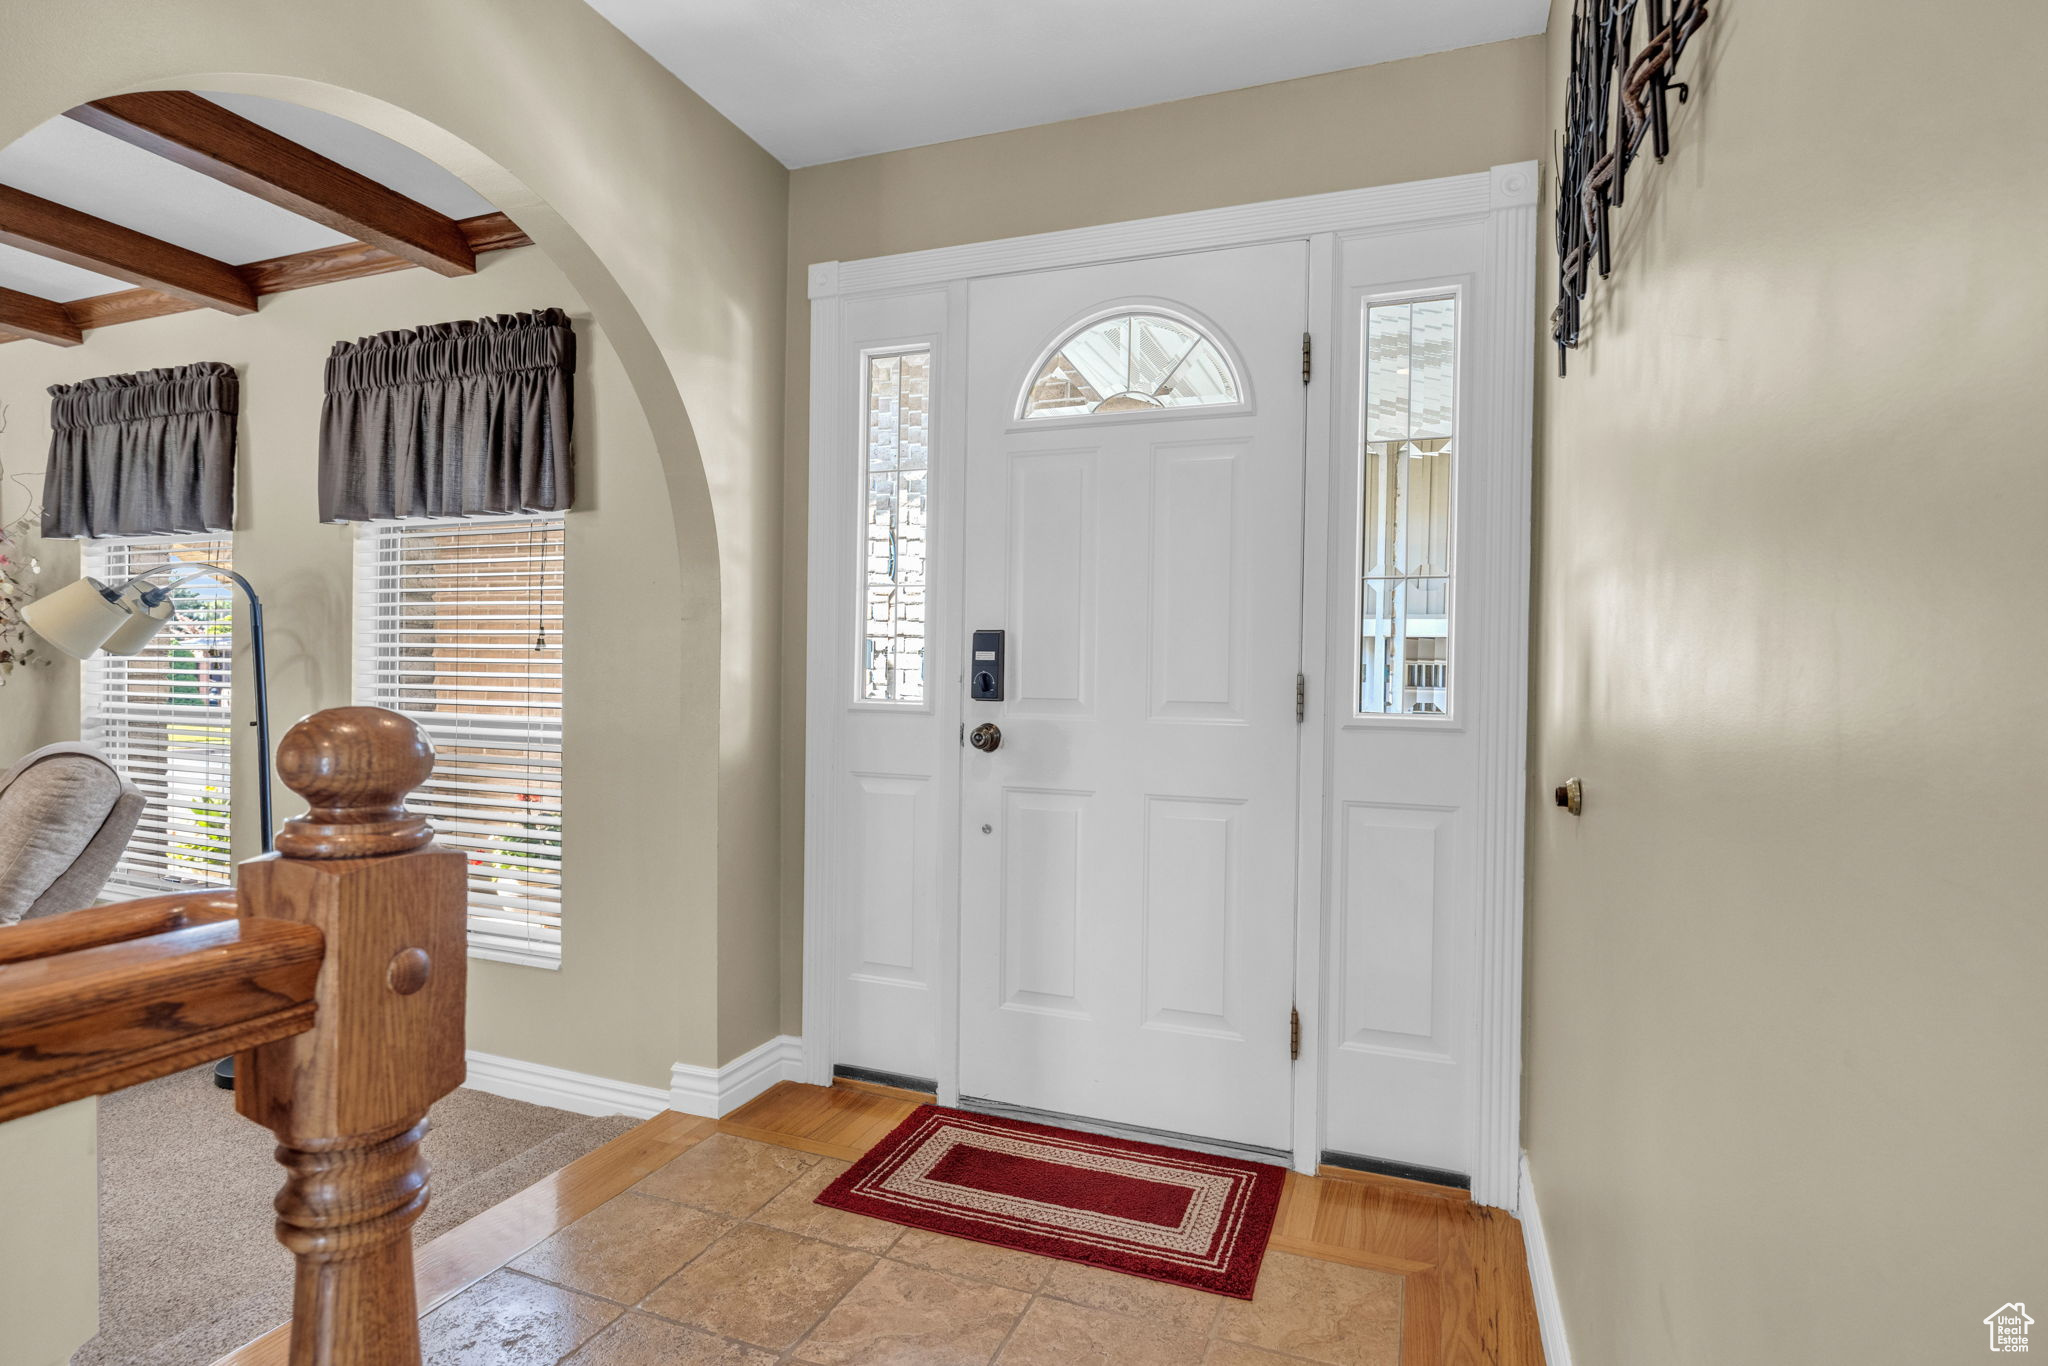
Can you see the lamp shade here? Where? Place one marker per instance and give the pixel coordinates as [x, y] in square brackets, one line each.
[78, 618]
[144, 621]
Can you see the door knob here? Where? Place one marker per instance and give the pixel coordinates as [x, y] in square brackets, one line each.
[986, 737]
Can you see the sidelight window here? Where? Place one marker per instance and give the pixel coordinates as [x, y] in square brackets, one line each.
[894, 524]
[1406, 481]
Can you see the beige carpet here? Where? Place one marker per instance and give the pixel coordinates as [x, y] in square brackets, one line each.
[189, 1266]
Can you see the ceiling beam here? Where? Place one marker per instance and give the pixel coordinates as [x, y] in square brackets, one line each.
[38, 319]
[353, 260]
[78, 239]
[303, 270]
[202, 136]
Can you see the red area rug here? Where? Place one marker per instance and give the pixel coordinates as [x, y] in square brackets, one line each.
[1162, 1213]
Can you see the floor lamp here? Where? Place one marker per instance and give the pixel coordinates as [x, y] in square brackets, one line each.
[88, 616]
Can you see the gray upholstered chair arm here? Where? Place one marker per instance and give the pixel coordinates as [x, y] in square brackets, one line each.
[65, 819]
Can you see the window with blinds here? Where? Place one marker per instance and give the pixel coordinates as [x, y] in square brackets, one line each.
[459, 626]
[163, 718]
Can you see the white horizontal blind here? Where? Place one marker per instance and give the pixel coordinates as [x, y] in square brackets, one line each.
[459, 626]
[163, 718]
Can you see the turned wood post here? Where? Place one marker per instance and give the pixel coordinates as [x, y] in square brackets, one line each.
[348, 1099]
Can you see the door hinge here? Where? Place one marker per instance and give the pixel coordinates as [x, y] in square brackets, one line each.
[1294, 1034]
[1305, 366]
[1300, 698]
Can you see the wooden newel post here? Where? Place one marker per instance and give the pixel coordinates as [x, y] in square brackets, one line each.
[348, 1099]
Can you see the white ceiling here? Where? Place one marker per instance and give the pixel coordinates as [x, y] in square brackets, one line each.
[103, 176]
[810, 80]
[823, 80]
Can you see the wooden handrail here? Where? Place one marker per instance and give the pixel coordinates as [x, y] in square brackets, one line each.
[54, 934]
[92, 1020]
[337, 975]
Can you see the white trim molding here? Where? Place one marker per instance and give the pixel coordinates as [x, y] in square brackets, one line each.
[824, 708]
[1503, 719]
[578, 1092]
[715, 1092]
[1542, 1277]
[711, 1092]
[1406, 205]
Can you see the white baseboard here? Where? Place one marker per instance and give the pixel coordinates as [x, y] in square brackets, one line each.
[578, 1092]
[713, 1092]
[716, 1092]
[1542, 1279]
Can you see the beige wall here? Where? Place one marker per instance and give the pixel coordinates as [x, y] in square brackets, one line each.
[1441, 115]
[49, 1239]
[30, 713]
[670, 224]
[635, 963]
[1784, 1035]
[1787, 1032]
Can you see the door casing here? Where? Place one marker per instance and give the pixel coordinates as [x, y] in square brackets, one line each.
[887, 303]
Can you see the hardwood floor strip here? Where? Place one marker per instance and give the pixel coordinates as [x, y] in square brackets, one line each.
[875, 1088]
[1488, 1310]
[842, 1115]
[1422, 1312]
[1521, 1332]
[471, 1251]
[1395, 1183]
[1352, 1215]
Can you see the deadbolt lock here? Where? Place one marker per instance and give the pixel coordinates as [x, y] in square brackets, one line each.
[986, 737]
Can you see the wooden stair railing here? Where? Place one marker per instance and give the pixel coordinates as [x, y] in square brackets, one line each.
[336, 974]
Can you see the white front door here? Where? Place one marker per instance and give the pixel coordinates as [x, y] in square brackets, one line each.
[1133, 524]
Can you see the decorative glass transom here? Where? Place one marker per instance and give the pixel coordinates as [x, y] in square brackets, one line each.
[1128, 363]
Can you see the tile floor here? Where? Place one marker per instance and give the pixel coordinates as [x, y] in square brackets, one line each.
[721, 1259]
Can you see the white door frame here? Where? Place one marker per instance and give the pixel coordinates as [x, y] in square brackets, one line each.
[1504, 199]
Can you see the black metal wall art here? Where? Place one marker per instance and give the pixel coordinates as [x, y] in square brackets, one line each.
[1592, 164]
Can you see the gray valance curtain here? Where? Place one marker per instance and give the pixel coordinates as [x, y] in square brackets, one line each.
[147, 454]
[452, 420]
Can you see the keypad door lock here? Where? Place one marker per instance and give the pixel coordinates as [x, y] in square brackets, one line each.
[985, 667]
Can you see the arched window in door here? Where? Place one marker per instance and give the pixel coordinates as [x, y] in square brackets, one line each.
[1132, 362]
